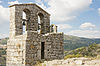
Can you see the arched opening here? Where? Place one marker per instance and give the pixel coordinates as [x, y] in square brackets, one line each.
[53, 28]
[39, 19]
[24, 15]
[25, 19]
[23, 22]
[41, 23]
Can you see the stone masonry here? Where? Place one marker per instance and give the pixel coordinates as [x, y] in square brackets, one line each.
[40, 41]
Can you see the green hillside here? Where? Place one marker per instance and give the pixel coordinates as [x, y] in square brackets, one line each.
[90, 51]
[3, 41]
[73, 42]
[2, 57]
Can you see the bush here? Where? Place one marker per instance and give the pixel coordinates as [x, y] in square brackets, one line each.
[98, 56]
[73, 56]
[38, 63]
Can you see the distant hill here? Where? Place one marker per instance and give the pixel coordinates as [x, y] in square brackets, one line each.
[3, 41]
[70, 42]
[90, 51]
[73, 42]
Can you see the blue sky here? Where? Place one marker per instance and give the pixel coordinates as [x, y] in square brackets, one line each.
[73, 17]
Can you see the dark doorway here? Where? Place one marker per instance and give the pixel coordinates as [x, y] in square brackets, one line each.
[42, 50]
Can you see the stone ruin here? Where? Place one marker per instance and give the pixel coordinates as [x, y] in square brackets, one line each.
[32, 38]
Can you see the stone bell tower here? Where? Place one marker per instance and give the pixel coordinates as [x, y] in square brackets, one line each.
[32, 38]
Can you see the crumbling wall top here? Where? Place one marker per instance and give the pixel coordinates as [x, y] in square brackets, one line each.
[29, 4]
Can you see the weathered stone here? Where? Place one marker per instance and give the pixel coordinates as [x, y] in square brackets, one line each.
[38, 42]
[73, 62]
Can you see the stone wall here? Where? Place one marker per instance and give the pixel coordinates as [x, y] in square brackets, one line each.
[16, 51]
[53, 46]
[25, 49]
[32, 11]
[72, 62]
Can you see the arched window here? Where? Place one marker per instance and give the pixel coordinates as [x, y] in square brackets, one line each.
[25, 19]
[39, 19]
[40, 23]
[23, 22]
[24, 15]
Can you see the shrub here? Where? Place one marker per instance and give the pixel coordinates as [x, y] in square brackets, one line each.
[98, 56]
[73, 56]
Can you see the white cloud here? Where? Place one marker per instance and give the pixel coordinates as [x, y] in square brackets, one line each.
[99, 11]
[85, 33]
[64, 26]
[4, 14]
[3, 35]
[41, 4]
[4, 19]
[64, 10]
[87, 25]
[13, 2]
[39, 1]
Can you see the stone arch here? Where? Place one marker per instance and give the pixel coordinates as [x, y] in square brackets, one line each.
[25, 19]
[27, 12]
[40, 23]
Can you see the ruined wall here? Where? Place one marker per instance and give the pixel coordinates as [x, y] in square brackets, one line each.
[32, 46]
[53, 47]
[16, 51]
[32, 11]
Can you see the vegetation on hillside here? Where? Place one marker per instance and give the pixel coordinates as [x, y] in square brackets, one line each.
[90, 51]
[2, 57]
[3, 52]
[73, 42]
[3, 41]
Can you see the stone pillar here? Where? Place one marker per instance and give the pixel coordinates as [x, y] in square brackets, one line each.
[55, 29]
[51, 28]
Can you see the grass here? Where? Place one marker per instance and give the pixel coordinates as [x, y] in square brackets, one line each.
[73, 56]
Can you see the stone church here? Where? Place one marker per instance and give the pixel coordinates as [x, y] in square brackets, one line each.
[32, 38]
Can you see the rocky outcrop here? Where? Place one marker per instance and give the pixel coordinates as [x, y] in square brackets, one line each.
[72, 62]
